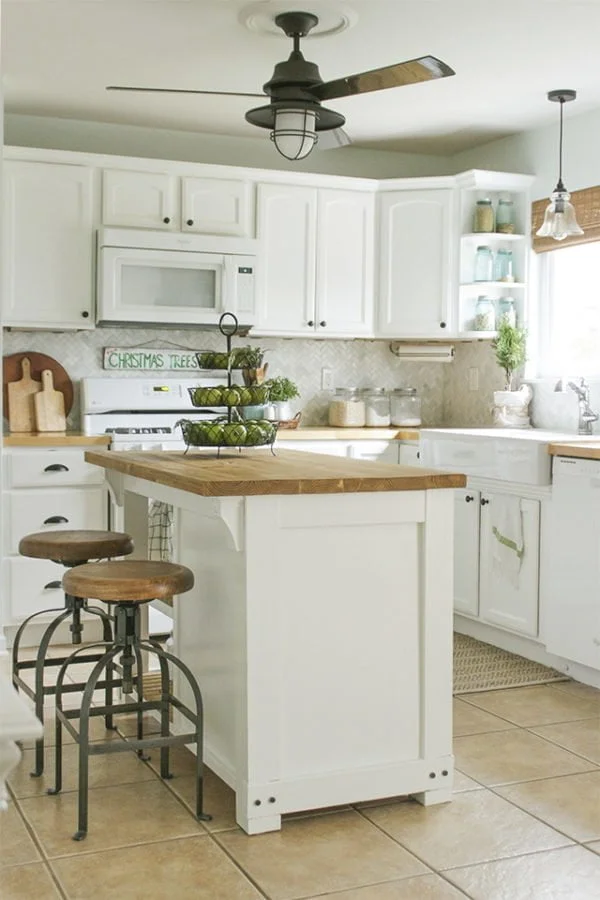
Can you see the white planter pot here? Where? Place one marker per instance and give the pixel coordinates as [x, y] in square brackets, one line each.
[281, 411]
[511, 408]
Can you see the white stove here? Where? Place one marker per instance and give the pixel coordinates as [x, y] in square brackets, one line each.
[141, 413]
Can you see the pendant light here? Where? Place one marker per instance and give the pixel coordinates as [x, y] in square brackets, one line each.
[559, 219]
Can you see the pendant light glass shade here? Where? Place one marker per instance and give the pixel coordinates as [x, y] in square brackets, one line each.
[294, 132]
[560, 221]
[559, 218]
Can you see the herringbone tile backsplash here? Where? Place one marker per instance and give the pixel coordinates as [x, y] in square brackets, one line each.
[361, 363]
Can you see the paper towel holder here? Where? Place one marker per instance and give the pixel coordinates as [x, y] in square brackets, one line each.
[434, 352]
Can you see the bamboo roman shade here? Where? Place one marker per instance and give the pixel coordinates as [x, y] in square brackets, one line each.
[587, 210]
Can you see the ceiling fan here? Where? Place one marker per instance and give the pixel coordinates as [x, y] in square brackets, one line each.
[296, 90]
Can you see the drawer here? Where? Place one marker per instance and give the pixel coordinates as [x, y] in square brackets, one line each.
[50, 467]
[28, 587]
[27, 511]
[409, 455]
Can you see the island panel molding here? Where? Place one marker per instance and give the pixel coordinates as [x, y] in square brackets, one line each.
[254, 473]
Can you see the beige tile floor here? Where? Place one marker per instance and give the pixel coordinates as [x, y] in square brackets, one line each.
[524, 823]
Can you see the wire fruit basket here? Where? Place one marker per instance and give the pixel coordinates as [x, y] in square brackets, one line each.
[230, 430]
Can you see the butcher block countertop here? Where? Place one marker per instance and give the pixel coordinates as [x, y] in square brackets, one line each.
[256, 472]
[581, 450]
[325, 433]
[55, 439]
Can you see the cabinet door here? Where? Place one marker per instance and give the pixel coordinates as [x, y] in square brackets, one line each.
[376, 451]
[140, 200]
[48, 241]
[409, 454]
[507, 598]
[330, 448]
[286, 271]
[466, 551]
[344, 280]
[216, 206]
[415, 263]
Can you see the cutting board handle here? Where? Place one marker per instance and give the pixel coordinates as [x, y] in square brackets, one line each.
[47, 379]
[26, 369]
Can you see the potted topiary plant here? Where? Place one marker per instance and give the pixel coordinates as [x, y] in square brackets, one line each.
[281, 391]
[511, 407]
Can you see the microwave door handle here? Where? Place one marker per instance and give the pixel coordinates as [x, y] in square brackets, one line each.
[228, 285]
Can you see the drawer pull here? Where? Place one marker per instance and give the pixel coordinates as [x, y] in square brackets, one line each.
[55, 520]
[52, 586]
[56, 467]
[469, 498]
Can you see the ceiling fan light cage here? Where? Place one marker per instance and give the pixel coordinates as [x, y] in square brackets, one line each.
[294, 133]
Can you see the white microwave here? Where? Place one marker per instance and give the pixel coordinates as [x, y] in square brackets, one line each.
[146, 277]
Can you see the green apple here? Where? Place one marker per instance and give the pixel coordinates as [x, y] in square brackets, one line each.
[254, 434]
[230, 396]
[214, 434]
[235, 434]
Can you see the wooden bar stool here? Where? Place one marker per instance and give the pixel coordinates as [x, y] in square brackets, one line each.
[71, 548]
[126, 585]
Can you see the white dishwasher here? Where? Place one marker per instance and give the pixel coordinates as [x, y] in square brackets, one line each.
[572, 591]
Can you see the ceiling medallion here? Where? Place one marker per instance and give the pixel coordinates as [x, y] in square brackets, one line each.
[334, 17]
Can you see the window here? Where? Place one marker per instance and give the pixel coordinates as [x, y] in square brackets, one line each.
[569, 311]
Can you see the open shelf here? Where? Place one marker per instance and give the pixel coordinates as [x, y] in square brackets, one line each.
[493, 284]
[494, 236]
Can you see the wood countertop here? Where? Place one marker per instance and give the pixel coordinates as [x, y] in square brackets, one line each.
[55, 439]
[256, 472]
[580, 450]
[326, 433]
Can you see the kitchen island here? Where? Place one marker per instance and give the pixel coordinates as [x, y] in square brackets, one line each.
[320, 624]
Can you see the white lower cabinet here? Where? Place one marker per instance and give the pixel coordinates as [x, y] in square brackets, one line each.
[409, 453]
[484, 587]
[45, 489]
[377, 451]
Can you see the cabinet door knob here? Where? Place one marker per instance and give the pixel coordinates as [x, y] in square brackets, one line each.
[55, 520]
[484, 502]
[442, 324]
[469, 498]
[56, 467]
[310, 323]
[167, 220]
[323, 323]
[52, 586]
[190, 222]
[85, 314]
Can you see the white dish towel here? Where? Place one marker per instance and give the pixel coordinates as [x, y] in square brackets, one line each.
[507, 530]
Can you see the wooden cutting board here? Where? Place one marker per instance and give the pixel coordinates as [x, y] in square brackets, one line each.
[11, 371]
[49, 406]
[21, 394]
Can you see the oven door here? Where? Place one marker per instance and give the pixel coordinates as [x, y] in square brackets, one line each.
[170, 287]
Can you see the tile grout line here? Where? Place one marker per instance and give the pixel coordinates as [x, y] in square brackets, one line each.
[38, 845]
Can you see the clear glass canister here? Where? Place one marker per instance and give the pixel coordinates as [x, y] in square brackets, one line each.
[483, 217]
[505, 216]
[484, 264]
[347, 408]
[377, 407]
[506, 312]
[405, 406]
[485, 315]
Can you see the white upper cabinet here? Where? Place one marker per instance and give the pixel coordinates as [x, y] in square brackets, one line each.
[415, 263]
[48, 239]
[344, 284]
[166, 202]
[316, 261]
[286, 225]
[140, 199]
[217, 206]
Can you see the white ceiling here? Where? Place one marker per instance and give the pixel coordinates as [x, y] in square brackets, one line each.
[58, 56]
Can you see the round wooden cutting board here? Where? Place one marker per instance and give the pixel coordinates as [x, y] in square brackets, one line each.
[11, 371]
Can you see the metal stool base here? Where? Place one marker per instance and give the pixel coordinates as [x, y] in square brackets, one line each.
[130, 646]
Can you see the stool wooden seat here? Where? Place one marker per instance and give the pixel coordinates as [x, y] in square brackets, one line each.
[73, 547]
[128, 580]
[126, 584]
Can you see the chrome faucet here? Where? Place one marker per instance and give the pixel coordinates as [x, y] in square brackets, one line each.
[586, 414]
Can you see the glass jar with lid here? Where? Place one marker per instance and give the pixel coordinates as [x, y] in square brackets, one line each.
[503, 266]
[505, 216]
[506, 312]
[483, 217]
[485, 315]
[484, 264]
[377, 407]
[405, 407]
[347, 408]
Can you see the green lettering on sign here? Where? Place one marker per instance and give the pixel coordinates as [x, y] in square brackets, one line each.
[149, 360]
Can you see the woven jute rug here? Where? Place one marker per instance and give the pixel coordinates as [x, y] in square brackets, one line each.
[481, 667]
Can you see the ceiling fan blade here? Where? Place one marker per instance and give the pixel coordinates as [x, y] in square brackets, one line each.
[332, 139]
[120, 87]
[412, 71]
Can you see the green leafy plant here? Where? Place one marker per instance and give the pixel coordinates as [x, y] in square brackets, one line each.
[281, 389]
[248, 357]
[510, 347]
